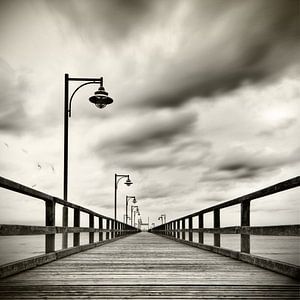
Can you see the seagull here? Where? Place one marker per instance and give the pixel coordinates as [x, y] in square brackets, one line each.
[6, 145]
[53, 170]
[33, 185]
[25, 151]
[39, 166]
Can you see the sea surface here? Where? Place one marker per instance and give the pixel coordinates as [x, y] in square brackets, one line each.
[286, 249]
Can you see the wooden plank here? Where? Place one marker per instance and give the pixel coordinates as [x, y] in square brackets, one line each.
[29, 263]
[22, 189]
[146, 259]
[287, 269]
[277, 230]
[149, 292]
[12, 230]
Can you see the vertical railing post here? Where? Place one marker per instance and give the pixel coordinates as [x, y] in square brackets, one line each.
[200, 225]
[174, 229]
[91, 225]
[100, 227]
[190, 229]
[183, 228]
[50, 221]
[107, 228]
[178, 229]
[245, 221]
[76, 222]
[113, 228]
[217, 225]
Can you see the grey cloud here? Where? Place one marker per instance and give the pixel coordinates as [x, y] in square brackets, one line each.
[13, 117]
[257, 41]
[151, 132]
[260, 43]
[112, 20]
[241, 164]
[277, 130]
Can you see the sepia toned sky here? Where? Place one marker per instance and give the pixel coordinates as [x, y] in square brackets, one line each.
[206, 104]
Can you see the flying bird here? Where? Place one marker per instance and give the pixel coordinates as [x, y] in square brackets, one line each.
[39, 166]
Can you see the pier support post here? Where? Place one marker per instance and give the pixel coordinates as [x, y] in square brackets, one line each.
[76, 235]
[245, 221]
[100, 227]
[190, 229]
[200, 225]
[50, 221]
[217, 242]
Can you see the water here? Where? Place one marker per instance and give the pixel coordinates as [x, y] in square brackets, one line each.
[286, 249]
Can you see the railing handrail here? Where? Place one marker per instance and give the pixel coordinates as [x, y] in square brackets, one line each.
[273, 189]
[176, 229]
[25, 190]
[114, 229]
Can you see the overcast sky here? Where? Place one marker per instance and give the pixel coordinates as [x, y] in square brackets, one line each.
[206, 104]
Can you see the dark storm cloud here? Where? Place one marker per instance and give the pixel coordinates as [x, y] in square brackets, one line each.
[261, 42]
[241, 164]
[150, 132]
[13, 117]
[112, 20]
[224, 43]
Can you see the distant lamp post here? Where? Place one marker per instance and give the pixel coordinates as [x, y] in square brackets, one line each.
[162, 218]
[133, 207]
[128, 198]
[100, 99]
[128, 182]
[134, 213]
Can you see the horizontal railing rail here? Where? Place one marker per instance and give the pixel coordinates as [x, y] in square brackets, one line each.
[176, 229]
[113, 230]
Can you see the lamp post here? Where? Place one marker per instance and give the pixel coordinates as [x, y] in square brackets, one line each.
[134, 213]
[128, 182]
[128, 198]
[162, 218]
[100, 99]
[132, 208]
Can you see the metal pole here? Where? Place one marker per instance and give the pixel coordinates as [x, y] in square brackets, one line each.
[116, 186]
[66, 138]
[126, 209]
[131, 216]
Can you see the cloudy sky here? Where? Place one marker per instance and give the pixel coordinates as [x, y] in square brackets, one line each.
[206, 104]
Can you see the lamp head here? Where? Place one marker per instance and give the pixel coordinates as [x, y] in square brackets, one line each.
[101, 99]
[128, 182]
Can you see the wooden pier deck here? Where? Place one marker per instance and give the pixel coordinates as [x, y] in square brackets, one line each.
[148, 266]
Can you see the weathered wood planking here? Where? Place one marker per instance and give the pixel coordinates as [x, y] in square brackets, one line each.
[144, 266]
[149, 292]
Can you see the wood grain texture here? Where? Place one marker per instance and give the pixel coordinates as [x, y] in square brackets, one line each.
[144, 266]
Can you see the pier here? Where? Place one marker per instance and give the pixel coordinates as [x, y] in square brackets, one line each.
[164, 263]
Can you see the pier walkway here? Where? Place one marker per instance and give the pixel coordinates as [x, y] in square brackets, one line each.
[144, 266]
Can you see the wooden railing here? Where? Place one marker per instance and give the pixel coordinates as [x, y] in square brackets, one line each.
[113, 229]
[176, 229]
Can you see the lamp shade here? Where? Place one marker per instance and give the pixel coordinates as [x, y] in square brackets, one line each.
[101, 99]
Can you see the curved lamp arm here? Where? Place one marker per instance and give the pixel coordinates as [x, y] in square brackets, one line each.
[120, 177]
[86, 83]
